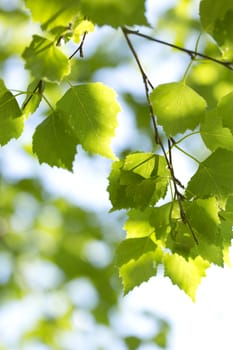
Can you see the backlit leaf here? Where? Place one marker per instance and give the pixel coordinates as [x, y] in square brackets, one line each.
[213, 133]
[133, 249]
[214, 176]
[45, 60]
[177, 107]
[90, 111]
[11, 122]
[53, 143]
[138, 224]
[186, 274]
[139, 181]
[138, 271]
[83, 26]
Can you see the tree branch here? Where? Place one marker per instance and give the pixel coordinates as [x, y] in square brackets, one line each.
[80, 48]
[191, 53]
[148, 85]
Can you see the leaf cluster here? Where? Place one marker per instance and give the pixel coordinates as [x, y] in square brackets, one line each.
[184, 228]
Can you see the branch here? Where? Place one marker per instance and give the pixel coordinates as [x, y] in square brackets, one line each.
[147, 84]
[80, 48]
[191, 53]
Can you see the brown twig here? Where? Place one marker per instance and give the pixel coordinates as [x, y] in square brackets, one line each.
[191, 53]
[148, 85]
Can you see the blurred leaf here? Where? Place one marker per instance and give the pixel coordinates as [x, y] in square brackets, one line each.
[115, 13]
[53, 13]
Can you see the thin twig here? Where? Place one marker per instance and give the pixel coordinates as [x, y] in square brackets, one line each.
[80, 48]
[191, 53]
[147, 84]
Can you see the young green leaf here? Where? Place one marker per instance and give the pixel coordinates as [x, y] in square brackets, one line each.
[213, 133]
[90, 112]
[138, 224]
[177, 107]
[186, 274]
[139, 181]
[45, 60]
[115, 13]
[138, 271]
[53, 143]
[133, 249]
[11, 122]
[81, 27]
[214, 176]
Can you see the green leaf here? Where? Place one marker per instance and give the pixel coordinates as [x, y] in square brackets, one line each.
[33, 97]
[214, 176]
[53, 13]
[138, 224]
[203, 216]
[186, 274]
[115, 13]
[53, 143]
[225, 110]
[140, 163]
[177, 107]
[138, 271]
[11, 122]
[81, 27]
[45, 60]
[216, 18]
[213, 133]
[160, 219]
[139, 181]
[133, 249]
[90, 111]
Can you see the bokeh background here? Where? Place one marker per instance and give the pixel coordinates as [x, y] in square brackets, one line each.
[59, 286]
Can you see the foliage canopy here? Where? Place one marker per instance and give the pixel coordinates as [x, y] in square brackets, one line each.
[183, 227]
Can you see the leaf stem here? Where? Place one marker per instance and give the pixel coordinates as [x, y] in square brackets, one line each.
[48, 103]
[187, 154]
